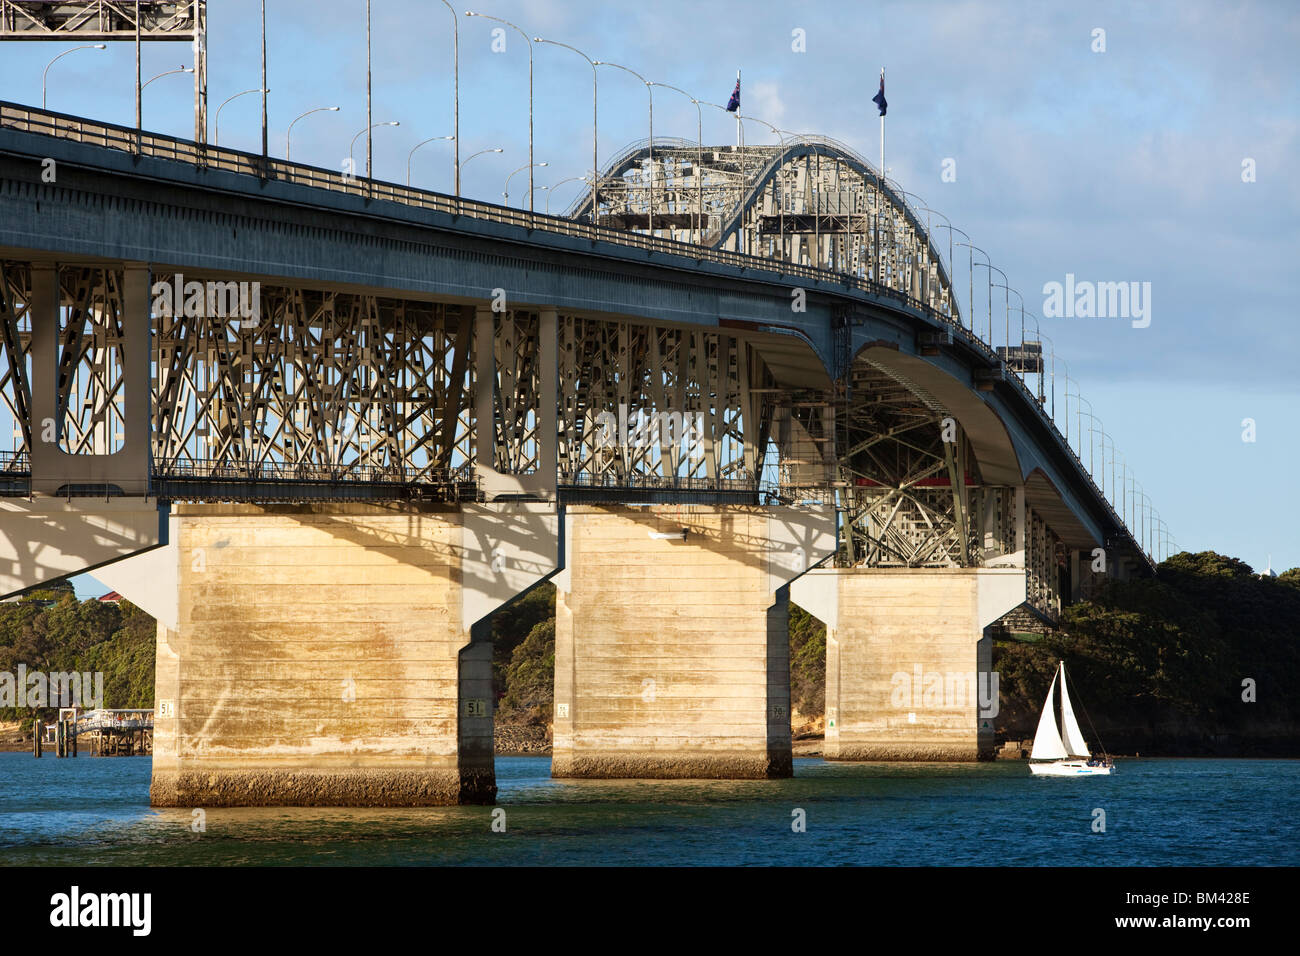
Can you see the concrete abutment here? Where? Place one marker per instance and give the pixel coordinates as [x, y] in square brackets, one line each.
[671, 639]
[336, 655]
[908, 660]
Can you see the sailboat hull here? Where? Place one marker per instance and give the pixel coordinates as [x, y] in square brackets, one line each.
[1067, 768]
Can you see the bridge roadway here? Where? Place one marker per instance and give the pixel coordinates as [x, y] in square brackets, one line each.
[109, 205]
[671, 648]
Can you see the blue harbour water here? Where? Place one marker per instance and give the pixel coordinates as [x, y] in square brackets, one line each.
[88, 811]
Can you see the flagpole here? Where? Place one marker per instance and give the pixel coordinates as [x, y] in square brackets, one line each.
[880, 265]
[882, 131]
[739, 142]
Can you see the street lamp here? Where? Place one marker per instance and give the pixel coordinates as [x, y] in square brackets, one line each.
[1078, 422]
[550, 190]
[431, 139]
[992, 268]
[529, 41]
[929, 239]
[1123, 489]
[140, 94]
[649, 88]
[1007, 314]
[289, 132]
[183, 69]
[544, 189]
[1091, 439]
[970, 291]
[952, 292]
[494, 149]
[529, 166]
[1146, 520]
[89, 46]
[353, 144]
[216, 131]
[595, 163]
[781, 206]
[1079, 427]
[455, 88]
[699, 161]
[1163, 538]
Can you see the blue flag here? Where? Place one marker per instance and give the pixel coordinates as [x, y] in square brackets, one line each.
[733, 104]
[879, 98]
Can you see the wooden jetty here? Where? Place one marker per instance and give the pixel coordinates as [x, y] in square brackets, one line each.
[108, 733]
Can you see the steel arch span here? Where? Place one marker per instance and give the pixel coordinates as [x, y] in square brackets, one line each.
[812, 201]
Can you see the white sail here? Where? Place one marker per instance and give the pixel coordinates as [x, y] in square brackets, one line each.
[1047, 741]
[1074, 741]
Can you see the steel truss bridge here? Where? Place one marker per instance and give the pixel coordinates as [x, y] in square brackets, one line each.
[353, 365]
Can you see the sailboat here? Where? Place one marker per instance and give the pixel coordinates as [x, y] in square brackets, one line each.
[1055, 753]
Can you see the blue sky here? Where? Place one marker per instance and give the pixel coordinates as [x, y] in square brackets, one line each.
[1122, 165]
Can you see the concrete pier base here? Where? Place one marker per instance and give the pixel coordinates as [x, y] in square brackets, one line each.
[336, 655]
[672, 650]
[907, 660]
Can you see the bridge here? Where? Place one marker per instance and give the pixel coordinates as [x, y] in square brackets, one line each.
[322, 427]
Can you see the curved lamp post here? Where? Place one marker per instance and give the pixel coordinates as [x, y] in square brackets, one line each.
[353, 144]
[543, 188]
[699, 160]
[490, 149]
[529, 41]
[289, 131]
[139, 125]
[550, 190]
[970, 292]
[431, 139]
[781, 207]
[455, 89]
[649, 88]
[1007, 298]
[505, 193]
[183, 69]
[992, 269]
[46, 72]
[595, 163]
[951, 229]
[216, 125]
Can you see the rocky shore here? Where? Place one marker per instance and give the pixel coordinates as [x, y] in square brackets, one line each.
[522, 740]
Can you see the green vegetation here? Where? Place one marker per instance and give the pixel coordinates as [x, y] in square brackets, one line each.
[1160, 663]
[807, 664]
[530, 678]
[513, 627]
[50, 631]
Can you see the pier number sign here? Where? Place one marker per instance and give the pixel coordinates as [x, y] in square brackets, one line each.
[166, 708]
[476, 707]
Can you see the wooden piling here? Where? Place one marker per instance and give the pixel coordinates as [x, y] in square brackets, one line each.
[36, 739]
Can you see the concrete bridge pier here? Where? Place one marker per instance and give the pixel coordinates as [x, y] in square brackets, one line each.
[671, 640]
[331, 654]
[908, 659]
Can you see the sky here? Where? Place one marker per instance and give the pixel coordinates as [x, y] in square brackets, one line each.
[1164, 149]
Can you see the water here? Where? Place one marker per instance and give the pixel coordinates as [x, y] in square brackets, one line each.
[1158, 812]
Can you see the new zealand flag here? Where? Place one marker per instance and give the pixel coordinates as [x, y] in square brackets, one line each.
[879, 98]
[733, 104]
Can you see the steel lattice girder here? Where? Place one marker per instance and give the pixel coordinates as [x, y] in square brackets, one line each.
[682, 403]
[314, 383]
[100, 19]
